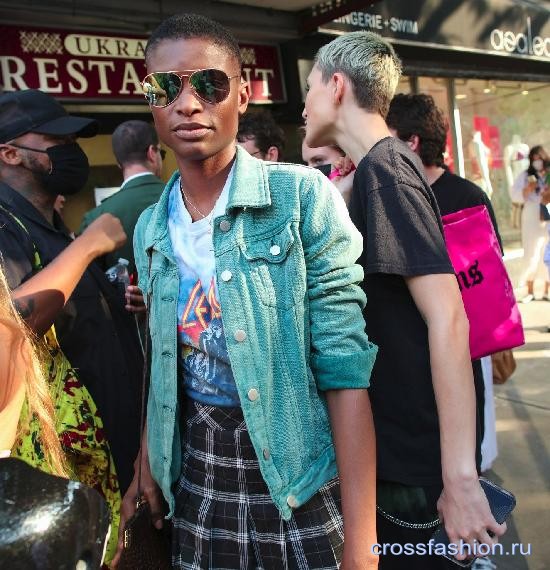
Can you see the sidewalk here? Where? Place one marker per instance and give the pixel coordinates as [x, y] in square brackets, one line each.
[523, 431]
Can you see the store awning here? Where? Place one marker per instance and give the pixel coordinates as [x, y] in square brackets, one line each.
[512, 28]
[267, 20]
[311, 14]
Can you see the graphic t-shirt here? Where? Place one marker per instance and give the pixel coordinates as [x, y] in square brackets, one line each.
[203, 361]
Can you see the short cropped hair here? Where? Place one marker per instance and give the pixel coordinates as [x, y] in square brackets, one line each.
[418, 115]
[131, 140]
[369, 62]
[261, 127]
[189, 26]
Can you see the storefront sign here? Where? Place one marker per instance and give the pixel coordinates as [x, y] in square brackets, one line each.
[503, 27]
[263, 73]
[100, 67]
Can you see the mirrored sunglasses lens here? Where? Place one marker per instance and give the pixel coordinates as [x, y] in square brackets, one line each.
[211, 85]
[161, 89]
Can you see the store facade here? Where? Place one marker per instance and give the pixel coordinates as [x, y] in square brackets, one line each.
[486, 62]
[487, 65]
[98, 74]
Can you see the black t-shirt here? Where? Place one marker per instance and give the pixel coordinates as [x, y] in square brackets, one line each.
[394, 208]
[454, 193]
[95, 332]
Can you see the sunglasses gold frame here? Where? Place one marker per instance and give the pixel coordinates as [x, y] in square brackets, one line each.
[188, 73]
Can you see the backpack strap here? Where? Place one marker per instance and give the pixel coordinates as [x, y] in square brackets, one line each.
[35, 260]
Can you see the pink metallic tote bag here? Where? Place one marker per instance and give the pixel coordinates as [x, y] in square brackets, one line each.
[495, 320]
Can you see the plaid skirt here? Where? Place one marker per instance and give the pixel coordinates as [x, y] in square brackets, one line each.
[225, 517]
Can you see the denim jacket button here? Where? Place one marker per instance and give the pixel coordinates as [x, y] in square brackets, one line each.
[226, 275]
[253, 394]
[239, 335]
[291, 501]
[275, 250]
[225, 225]
[266, 454]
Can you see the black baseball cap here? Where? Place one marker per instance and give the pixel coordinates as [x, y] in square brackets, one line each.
[32, 111]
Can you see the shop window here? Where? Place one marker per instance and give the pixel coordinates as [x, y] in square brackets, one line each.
[437, 88]
[499, 121]
[405, 85]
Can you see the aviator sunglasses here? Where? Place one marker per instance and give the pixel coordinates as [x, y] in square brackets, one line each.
[162, 88]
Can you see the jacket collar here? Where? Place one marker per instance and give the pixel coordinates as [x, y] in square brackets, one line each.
[139, 180]
[250, 186]
[249, 189]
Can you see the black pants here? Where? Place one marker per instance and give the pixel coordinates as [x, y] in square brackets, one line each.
[391, 534]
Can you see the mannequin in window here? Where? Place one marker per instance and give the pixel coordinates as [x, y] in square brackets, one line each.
[516, 160]
[482, 155]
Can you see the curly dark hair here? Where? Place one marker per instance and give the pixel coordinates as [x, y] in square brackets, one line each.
[261, 127]
[418, 115]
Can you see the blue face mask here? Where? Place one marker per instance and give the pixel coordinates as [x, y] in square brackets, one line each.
[69, 169]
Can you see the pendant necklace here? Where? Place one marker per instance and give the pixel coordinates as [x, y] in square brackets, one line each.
[203, 216]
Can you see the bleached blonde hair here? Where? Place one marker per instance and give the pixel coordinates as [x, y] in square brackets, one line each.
[24, 358]
[369, 62]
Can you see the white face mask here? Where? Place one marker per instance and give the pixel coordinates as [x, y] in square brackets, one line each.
[538, 165]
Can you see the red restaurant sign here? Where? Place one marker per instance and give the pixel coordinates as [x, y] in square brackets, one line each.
[101, 67]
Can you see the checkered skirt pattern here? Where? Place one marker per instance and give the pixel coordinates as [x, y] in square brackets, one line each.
[225, 517]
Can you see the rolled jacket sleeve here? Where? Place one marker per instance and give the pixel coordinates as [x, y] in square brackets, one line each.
[342, 355]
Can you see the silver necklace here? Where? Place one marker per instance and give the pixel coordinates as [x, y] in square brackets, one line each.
[203, 216]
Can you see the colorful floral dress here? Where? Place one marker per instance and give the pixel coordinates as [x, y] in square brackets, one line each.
[80, 431]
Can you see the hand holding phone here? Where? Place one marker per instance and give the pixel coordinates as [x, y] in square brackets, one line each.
[501, 503]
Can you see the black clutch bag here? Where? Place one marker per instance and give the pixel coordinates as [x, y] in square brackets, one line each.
[501, 503]
[144, 546]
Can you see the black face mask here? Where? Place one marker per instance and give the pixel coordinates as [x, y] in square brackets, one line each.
[69, 169]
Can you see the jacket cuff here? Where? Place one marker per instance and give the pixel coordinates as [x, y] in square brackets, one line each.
[350, 371]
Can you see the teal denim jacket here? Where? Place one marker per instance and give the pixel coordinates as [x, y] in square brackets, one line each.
[292, 315]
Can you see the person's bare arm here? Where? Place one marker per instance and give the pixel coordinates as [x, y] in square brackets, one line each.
[150, 491]
[462, 505]
[529, 189]
[354, 441]
[40, 298]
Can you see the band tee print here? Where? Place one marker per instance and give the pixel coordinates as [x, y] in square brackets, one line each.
[203, 362]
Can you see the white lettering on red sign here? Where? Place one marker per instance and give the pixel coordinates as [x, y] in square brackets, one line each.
[105, 46]
[83, 65]
[13, 69]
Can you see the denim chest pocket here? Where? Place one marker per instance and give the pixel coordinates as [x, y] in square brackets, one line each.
[273, 266]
